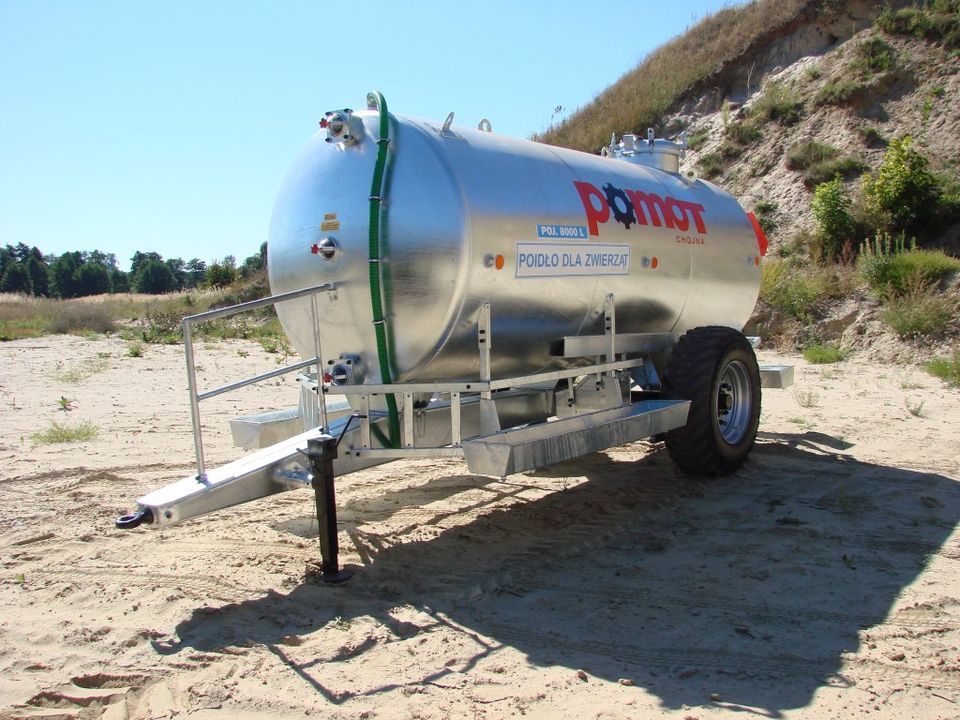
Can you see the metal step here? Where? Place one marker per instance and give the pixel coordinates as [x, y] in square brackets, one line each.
[776, 376]
[517, 450]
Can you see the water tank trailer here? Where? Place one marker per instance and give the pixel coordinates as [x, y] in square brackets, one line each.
[461, 293]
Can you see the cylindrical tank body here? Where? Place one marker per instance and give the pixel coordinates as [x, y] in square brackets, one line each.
[541, 233]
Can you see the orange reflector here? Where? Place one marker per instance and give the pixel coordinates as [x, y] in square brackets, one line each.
[756, 261]
[498, 262]
[654, 262]
[762, 241]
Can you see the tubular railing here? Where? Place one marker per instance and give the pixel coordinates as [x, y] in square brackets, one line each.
[196, 396]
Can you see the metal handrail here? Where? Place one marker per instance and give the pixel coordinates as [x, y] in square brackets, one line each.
[196, 396]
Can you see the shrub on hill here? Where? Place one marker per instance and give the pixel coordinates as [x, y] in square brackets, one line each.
[820, 163]
[902, 195]
[872, 55]
[935, 21]
[835, 225]
[893, 269]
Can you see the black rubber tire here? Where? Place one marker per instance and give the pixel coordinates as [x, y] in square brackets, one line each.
[701, 368]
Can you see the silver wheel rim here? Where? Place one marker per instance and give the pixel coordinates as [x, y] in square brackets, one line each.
[733, 402]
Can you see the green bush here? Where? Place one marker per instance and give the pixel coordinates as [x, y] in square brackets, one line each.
[875, 256]
[872, 137]
[161, 327]
[840, 92]
[939, 21]
[892, 270]
[806, 154]
[820, 162]
[824, 354]
[697, 139]
[946, 368]
[835, 225]
[902, 195]
[737, 136]
[777, 104]
[711, 165]
[872, 55]
[919, 312]
[796, 292]
[764, 211]
[846, 167]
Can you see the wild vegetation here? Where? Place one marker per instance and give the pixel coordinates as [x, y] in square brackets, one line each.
[818, 354]
[938, 21]
[63, 432]
[946, 368]
[820, 162]
[137, 317]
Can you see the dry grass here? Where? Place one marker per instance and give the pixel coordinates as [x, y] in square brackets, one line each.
[643, 95]
[22, 316]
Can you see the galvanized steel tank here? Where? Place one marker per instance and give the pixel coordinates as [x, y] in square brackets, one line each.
[542, 233]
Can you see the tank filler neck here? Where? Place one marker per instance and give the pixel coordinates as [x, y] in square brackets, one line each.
[651, 151]
[342, 127]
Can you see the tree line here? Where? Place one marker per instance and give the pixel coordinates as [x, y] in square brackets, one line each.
[28, 271]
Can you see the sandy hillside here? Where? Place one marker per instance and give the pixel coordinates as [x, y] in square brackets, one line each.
[821, 581]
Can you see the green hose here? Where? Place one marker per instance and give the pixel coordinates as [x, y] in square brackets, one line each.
[376, 99]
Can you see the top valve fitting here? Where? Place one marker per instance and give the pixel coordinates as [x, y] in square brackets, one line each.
[341, 127]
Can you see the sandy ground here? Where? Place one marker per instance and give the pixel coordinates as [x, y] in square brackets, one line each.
[820, 581]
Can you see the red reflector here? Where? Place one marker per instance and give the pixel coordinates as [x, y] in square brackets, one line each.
[762, 241]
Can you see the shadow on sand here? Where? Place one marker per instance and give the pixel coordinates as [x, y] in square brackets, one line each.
[748, 588]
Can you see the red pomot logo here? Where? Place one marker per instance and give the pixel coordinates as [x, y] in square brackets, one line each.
[630, 207]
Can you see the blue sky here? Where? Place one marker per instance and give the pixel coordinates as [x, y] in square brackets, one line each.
[168, 126]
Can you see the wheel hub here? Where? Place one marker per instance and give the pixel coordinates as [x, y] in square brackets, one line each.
[734, 402]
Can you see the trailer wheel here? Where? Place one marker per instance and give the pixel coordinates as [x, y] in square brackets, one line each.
[716, 369]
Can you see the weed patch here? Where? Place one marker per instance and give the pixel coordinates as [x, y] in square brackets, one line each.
[81, 372]
[764, 211]
[872, 137]
[65, 433]
[711, 165]
[892, 270]
[777, 104]
[919, 313]
[872, 55]
[821, 163]
[947, 369]
[939, 21]
[824, 354]
[839, 93]
[697, 139]
[806, 398]
[804, 155]
[794, 291]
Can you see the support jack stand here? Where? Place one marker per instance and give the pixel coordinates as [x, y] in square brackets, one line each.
[322, 451]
